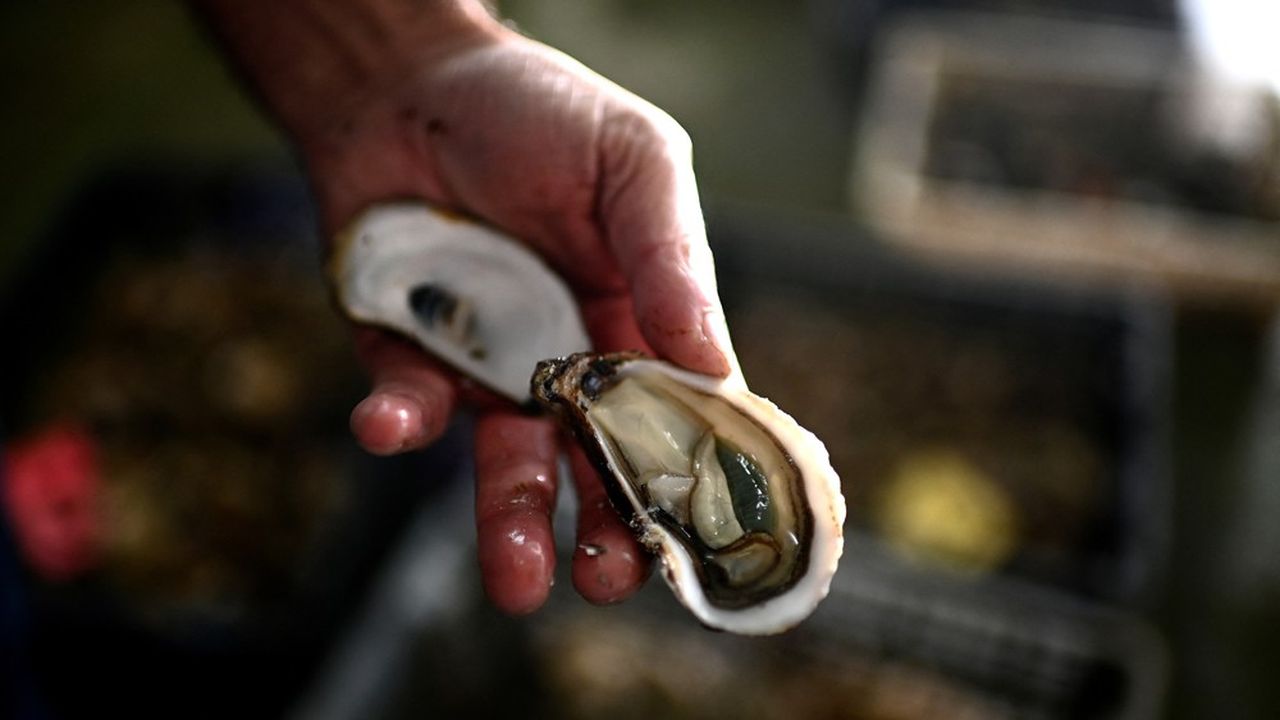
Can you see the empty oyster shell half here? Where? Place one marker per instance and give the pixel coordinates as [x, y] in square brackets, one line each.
[485, 305]
[739, 502]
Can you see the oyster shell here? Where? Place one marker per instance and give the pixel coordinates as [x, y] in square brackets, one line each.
[485, 305]
[738, 501]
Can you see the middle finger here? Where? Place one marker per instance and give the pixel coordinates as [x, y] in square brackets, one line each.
[515, 496]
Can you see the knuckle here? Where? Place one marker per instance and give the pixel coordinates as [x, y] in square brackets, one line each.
[652, 128]
[677, 138]
[515, 486]
[666, 132]
[513, 472]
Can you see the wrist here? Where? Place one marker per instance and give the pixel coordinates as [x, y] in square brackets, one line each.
[316, 62]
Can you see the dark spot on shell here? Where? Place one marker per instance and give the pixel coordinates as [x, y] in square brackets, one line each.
[604, 368]
[592, 383]
[432, 304]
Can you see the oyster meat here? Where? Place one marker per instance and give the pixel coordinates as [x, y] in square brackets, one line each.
[738, 501]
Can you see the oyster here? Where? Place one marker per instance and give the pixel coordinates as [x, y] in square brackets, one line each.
[483, 304]
[738, 501]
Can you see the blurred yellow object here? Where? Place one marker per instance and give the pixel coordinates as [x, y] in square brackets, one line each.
[939, 507]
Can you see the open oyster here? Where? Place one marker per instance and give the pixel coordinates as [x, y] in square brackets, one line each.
[739, 502]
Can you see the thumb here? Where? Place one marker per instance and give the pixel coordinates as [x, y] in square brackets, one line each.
[652, 220]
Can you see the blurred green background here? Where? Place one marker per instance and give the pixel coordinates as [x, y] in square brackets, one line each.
[93, 83]
[88, 84]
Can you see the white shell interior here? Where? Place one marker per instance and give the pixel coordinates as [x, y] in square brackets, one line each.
[523, 311]
[822, 493]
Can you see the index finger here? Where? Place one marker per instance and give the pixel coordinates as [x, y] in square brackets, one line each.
[515, 496]
[411, 400]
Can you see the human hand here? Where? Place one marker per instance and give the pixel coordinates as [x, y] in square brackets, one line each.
[474, 117]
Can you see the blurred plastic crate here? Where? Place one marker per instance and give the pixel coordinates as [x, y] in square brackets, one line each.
[1070, 148]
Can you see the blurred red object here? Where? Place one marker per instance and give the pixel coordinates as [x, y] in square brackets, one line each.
[52, 487]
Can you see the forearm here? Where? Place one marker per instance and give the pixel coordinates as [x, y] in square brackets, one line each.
[313, 61]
